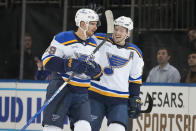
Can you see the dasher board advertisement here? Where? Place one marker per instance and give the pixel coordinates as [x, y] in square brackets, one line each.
[174, 107]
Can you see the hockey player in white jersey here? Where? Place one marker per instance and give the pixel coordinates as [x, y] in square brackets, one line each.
[64, 56]
[116, 95]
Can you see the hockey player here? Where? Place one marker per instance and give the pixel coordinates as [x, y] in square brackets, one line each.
[64, 56]
[116, 95]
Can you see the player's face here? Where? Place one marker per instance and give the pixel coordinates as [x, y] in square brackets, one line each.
[120, 34]
[192, 60]
[162, 57]
[92, 27]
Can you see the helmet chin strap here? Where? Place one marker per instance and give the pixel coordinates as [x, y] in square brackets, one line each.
[84, 31]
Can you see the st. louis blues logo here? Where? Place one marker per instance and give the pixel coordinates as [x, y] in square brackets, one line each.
[115, 62]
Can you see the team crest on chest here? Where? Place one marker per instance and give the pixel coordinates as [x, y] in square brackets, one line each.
[116, 62]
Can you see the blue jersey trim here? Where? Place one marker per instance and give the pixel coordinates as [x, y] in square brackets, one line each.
[106, 89]
[47, 57]
[92, 41]
[139, 78]
[131, 45]
[75, 79]
[65, 36]
[100, 34]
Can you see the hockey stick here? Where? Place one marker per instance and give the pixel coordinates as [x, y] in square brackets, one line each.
[150, 105]
[148, 110]
[110, 29]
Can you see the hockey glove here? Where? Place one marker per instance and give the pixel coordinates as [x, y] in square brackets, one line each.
[75, 65]
[94, 70]
[134, 107]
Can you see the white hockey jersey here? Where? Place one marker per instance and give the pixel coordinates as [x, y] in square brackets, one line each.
[120, 65]
[66, 45]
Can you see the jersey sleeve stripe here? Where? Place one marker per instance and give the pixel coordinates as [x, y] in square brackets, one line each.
[107, 93]
[106, 89]
[100, 37]
[69, 42]
[46, 59]
[75, 81]
[135, 50]
[91, 44]
[139, 78]
[136, 82]
[100, 73]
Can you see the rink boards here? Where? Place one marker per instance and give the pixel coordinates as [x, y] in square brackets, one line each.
[174, 106]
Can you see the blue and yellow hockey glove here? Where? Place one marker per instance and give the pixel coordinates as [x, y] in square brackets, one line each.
[134, 107]
[94, 70]
[75, 65]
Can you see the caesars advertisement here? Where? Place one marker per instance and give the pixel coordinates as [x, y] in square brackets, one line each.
[174, 107]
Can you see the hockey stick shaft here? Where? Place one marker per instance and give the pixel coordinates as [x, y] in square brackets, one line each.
[150, 105]
[46, 104]
[110, 28]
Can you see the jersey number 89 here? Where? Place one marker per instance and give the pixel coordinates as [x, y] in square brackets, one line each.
[51, 50]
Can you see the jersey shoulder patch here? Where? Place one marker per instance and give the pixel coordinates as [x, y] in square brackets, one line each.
[134, 47]
[66, 38]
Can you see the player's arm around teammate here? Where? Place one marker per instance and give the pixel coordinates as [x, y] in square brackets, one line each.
[65, 55]
[116, 95]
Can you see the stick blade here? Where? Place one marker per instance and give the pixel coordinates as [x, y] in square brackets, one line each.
[110, 21]
[150, 106]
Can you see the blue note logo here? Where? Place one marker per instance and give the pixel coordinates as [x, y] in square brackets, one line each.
[55, 117]
[94, 117]
[115, 62]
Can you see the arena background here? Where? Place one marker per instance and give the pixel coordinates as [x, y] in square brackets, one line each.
[156, 23]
